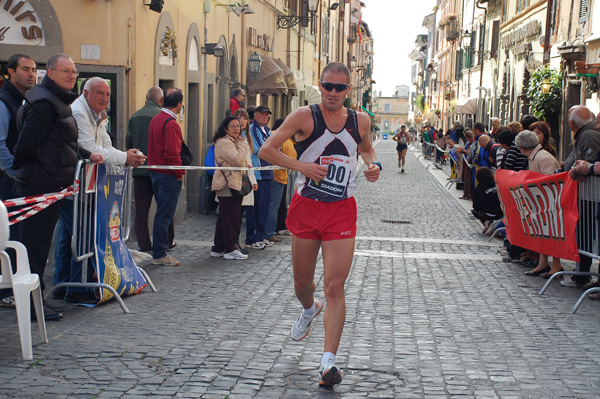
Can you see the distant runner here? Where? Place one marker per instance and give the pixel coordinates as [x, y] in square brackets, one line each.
[403, 139]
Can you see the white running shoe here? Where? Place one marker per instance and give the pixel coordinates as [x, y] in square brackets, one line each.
[329, 374]
[267, 243]
[217, 254]
[235, 255]
[301, 326]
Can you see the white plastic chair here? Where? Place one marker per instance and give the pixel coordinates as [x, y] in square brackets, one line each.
[24, 285]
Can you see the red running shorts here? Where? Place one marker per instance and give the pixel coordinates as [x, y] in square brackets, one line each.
[317, 220]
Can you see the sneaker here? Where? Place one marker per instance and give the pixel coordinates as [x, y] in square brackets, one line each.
[267, 243]
[8, 302]
[50, 314]
[274, 239]
[256, 245]
[402, 171]
[235, 255]
[166, 260]
[217, 254]
[330, 375]
[301, 326]
[284, 233]
[569, 282]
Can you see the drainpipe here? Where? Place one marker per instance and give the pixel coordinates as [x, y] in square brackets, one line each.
[547, 32]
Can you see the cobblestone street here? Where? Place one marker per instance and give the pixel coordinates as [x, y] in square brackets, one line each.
[432, 312]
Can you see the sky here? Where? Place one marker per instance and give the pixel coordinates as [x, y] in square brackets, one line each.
[394, 25]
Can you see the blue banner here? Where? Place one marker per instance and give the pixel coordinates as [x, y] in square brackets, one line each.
[115, 266]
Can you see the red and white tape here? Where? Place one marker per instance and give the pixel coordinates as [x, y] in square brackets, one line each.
[36, 203]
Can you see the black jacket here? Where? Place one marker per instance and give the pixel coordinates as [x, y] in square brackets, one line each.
[46, 153]
[12, 98]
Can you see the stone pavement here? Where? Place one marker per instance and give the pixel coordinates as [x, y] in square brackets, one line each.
[432, 312]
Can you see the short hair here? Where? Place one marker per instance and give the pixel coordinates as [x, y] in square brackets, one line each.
[515, 126]
[53, 60]
[336, 67]
[468, 133]
[92, 81]
[479, 126]
[493, 118]
[154, 93]
[484, 174]
[527, 120]
[576, 117]
[505, 136]
[173, 97]
[13, 61]
[527, 140]
[277, 123]
[238, 92]
[250, 109]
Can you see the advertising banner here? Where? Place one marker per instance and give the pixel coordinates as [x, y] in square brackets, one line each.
[540, 211]
[115, 265]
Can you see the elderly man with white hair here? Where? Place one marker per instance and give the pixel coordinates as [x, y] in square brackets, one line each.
[89, 110]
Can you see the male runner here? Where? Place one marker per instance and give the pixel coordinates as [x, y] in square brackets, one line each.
[403, 139]
[323, 212]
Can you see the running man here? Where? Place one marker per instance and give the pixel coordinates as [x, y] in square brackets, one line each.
[322, 213]
[403, 139]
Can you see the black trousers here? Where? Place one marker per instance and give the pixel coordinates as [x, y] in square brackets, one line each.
[36, 232]
[228, 222]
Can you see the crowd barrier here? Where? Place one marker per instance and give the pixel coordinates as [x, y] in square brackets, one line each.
[588, 202]
[83, 239]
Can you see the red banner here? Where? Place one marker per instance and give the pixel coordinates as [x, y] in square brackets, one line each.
[540, 211]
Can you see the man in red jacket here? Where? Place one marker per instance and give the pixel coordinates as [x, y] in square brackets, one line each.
[164, 148]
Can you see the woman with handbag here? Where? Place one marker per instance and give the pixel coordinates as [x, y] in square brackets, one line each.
[231, 186]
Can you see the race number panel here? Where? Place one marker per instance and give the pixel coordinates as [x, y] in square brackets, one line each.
[338, 175]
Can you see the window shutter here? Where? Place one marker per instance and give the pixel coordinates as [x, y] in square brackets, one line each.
[495, 39]
[583, 11]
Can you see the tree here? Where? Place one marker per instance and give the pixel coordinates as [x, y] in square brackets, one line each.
[545, 106]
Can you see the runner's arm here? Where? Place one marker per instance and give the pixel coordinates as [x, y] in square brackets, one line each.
[367, 152]
[300, 123]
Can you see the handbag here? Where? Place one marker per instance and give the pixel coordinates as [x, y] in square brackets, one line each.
[244, 190]
[185, 154]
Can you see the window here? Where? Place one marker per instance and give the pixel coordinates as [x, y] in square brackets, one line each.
[583, 11]
[387, 107]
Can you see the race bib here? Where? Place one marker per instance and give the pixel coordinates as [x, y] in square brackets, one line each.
[338, 175]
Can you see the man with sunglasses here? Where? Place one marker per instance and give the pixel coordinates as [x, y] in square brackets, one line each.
[235, 102]
[323, 213]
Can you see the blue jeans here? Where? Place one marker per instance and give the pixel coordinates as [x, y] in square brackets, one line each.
[256, 216]
[65, 268]
[274, 201]
[166, 190]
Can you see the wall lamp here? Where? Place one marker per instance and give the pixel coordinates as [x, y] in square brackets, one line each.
[546, 86]
[289, 21]
[237, 8]
[254, 63]
[214, 49]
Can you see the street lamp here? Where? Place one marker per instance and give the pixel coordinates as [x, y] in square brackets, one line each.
[546, 86]
[214, 48]
[254, 63]
[289, 21]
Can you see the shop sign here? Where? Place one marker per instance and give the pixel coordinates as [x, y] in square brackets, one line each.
[264, 41]
[20, 24]
[524, 32]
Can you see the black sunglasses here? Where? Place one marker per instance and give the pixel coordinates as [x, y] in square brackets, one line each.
[339, 87]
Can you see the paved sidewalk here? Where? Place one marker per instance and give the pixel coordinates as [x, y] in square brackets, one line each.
[432, 312]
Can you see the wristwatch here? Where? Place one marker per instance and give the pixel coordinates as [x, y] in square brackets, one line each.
[591, 169]
[378, 164]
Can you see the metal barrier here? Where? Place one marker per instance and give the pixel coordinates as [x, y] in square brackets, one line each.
[83, 240]
[588, 202]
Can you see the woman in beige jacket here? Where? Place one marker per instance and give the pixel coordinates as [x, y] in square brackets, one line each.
[230, 150]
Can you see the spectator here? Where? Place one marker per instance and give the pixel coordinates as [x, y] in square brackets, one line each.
[257, 216]
[248, 201]
[480, 156]
[515, 127]
[486, 204]
[230, 150]
[89, 111]
[164, 148]
[540, 161]
[278, 185]
[137, 137]
[586, 148]
[21, 72]
[495, 126]
[38, 147]
[527, 120]
[501, 151]
[235, 102]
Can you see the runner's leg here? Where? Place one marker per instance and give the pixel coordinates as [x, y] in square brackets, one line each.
[337, 260]
[304, 261]
[403, 157]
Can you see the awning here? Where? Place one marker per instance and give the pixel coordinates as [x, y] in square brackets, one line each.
[467, 106]
[269, 81]
[290, 79]
[299, 80]
[312, 95]
[447, 18]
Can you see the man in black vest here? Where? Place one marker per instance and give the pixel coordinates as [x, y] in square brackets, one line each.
[22, 73]
[46, 154]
